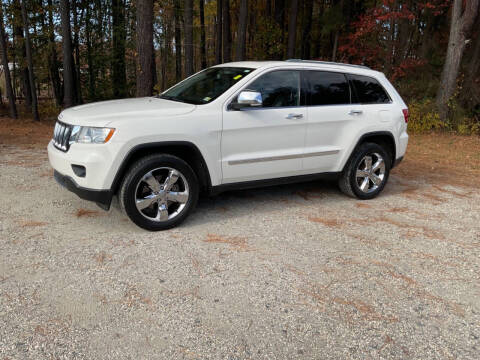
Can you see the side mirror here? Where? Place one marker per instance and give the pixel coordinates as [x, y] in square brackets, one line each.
[247, 99]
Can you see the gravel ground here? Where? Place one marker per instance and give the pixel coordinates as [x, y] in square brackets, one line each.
[289, 272]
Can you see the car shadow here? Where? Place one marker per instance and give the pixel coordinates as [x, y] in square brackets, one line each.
[262, 200]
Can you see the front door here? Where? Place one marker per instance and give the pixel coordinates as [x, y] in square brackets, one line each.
[268, 141]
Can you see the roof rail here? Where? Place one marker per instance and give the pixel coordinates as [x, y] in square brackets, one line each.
[327, 63]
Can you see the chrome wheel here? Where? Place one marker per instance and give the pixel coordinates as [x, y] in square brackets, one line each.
[161, 194]
[370, 172]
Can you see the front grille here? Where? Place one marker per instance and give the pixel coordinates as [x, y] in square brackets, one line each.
[61, 136]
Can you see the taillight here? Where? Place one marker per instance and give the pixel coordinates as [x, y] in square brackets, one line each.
[405, 115]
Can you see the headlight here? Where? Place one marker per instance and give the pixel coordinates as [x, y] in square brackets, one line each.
[91, 135]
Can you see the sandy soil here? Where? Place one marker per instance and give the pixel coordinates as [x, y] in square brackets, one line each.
[289, 272]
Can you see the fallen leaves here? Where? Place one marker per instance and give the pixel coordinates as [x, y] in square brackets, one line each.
[236, 243]
[32, 223]
[87, 213]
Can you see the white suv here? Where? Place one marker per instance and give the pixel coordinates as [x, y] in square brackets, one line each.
[235, 125]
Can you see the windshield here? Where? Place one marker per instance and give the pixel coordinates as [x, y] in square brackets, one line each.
[206, 85]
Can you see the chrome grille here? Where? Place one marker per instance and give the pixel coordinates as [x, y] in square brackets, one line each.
[61, 136]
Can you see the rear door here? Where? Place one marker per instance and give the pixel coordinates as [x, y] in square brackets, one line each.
[372, 99]
[268, 141]
[330, 115]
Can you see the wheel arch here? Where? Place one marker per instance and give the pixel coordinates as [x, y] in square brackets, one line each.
[382, 138]
[185, 150]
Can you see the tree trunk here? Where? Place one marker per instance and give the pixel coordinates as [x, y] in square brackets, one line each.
[21, 55]
[203, 41]
[31, 76]
[242, 31]
[404, 37]
[144, 48]
[166, 51]
[68, 69]
[335, 46]
[154, 67]
[188, 23]
[292, 30]
[52, 58]
[119, 36]
[76, 61]
[268, 8]
[473, 68]
[6, 69]
[428, 35]
[460, 27]
[219, 27]
[307, 29]
[178, 42]
[470, 95]
[88, 39]
[14, 67]
[279, 14]
[227, 35]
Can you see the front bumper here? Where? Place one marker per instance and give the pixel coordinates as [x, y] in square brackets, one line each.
[103, 198]
[97, 159]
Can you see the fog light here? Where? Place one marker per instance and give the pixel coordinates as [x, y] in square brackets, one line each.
[79, 170]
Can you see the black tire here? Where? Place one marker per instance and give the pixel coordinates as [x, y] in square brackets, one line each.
[128, 190]
[348, 180]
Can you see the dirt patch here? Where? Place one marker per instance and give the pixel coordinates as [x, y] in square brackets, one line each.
[87, 213]
[442, 159]
[102, 257]
[363, 205]
[31, 223]
[397, 210]
[25, 133]
[235, 242]
[329, 222]
[402, 277]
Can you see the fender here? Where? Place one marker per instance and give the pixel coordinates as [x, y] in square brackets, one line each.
[199, 167]
[374, 134]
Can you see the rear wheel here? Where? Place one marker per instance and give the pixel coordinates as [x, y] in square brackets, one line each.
[366, 172]
[159, 192]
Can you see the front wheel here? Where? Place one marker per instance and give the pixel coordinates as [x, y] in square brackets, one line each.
[366, 172]
[158, 192]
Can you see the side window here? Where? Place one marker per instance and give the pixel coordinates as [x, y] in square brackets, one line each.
[368, 90]
[278, 88]
[328, 88]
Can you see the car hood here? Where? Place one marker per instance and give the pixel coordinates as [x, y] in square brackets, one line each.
[104, 112]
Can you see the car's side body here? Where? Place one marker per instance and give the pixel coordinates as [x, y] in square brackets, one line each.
[228, 147]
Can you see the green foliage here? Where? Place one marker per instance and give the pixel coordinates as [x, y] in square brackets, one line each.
[266, 42]
[331, 20]
[424, 118]
[463, 121]
[48, 109]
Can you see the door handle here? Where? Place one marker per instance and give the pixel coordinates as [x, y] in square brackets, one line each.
[355, 112]
[294, 116]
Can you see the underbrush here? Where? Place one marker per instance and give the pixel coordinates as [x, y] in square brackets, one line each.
[419, 89]
[424, 118]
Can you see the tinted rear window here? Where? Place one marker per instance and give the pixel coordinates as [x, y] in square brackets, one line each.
[368, 90]
[327, 88]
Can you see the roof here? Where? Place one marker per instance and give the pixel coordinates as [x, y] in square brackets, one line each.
[296, 62]
[251, 64]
